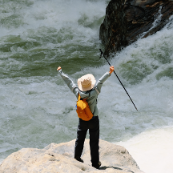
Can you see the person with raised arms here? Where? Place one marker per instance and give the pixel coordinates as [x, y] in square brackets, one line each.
[87, 91]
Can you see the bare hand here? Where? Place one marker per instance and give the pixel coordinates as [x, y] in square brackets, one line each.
[58, 68]
[111, 69]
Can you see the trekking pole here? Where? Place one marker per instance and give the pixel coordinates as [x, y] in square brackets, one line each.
[118, 78]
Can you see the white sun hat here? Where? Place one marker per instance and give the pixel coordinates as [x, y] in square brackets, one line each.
[86, 82]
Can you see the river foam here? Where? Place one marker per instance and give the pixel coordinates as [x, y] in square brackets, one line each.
[152, 150]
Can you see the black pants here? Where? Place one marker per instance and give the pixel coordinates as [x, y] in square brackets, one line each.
[93, 126]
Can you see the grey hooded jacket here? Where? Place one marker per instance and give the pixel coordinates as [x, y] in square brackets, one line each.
[90, 95]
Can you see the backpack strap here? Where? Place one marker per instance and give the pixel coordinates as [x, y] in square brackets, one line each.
[79, 97]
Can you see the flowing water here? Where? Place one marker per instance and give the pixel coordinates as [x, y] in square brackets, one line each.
[37, 108]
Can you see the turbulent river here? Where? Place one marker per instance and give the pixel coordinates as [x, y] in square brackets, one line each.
[37, 108]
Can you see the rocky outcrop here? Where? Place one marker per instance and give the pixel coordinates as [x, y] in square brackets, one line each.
[128, 20]
[58, 158]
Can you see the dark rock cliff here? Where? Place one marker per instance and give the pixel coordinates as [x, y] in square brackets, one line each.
[127, 20]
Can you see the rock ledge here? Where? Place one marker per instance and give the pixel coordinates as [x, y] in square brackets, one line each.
[58, 158]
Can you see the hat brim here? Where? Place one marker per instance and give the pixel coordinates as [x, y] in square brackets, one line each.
[93, 82]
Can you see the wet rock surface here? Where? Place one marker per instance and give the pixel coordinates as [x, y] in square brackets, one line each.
[128, 20]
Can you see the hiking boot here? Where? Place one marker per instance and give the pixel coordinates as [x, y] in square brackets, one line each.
[79, 159]
[97, 166]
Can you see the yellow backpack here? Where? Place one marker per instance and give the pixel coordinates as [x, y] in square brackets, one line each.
[83, 109]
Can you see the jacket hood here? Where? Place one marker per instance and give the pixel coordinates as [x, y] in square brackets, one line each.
[84, 94]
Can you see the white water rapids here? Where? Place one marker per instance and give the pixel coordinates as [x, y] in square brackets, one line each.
[37, 108]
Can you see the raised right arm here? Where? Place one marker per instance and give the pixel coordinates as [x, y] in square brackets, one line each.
[104, 78]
